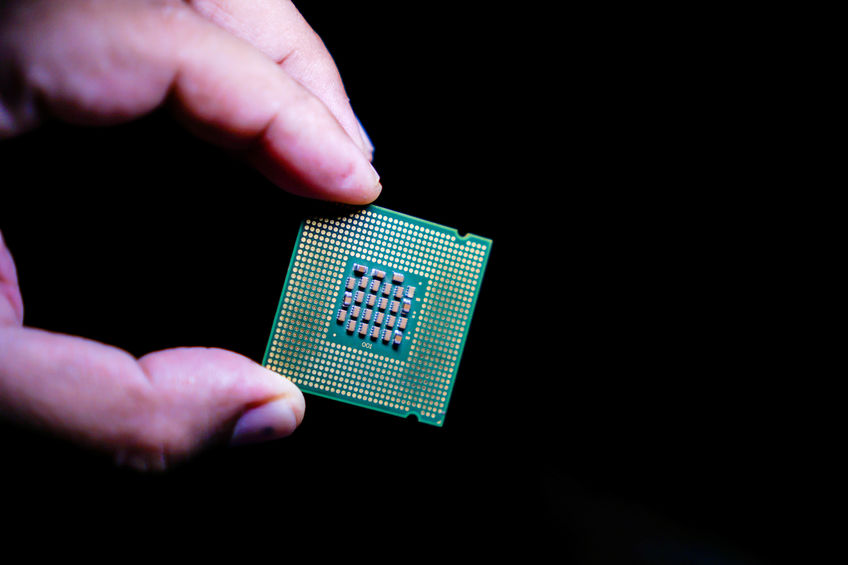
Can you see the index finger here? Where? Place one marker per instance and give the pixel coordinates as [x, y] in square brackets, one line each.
[111, 62]
[277, 29]
[232, 94]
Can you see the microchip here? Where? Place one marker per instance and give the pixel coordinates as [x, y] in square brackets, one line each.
[409, 368]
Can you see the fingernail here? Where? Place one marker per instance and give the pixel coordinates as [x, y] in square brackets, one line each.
[272, 420]
[369, 147]
[376, 188]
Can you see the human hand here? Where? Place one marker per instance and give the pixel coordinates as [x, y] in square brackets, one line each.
[248, 75]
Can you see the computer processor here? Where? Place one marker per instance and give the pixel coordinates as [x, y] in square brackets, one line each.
[376, 308]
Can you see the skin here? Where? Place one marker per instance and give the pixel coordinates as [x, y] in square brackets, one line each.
[248, 75]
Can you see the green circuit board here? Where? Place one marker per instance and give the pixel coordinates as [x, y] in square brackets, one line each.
[376, 309]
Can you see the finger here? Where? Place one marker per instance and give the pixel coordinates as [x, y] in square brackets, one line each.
[107, 62]
[277, 29]
[11, 304]
[148, 412]
[286, 132]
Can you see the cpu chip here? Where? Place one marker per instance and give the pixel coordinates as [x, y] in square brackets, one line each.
[405, 358]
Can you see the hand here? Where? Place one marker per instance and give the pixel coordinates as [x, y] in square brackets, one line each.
[249, 75]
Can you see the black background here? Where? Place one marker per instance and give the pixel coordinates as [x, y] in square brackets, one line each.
[617, 399]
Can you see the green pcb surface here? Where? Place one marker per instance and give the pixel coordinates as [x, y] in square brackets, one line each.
[375, 310]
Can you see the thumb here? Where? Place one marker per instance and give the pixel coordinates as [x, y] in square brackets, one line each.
[148, 413]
